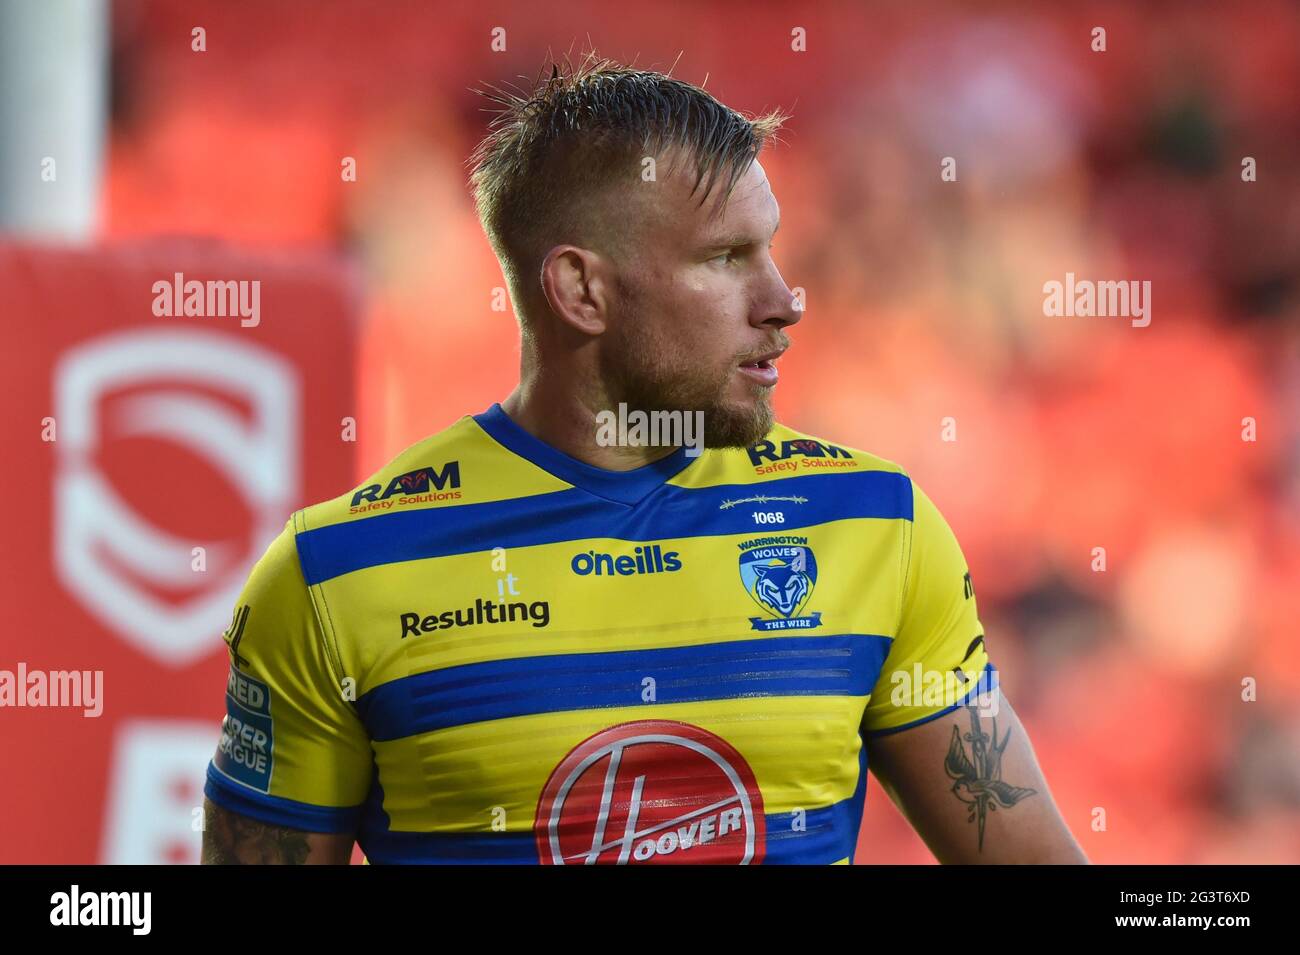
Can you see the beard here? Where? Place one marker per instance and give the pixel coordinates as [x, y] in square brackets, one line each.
[651, 372]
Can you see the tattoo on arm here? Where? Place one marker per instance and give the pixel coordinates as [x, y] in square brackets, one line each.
[979, 782]
[231, 839]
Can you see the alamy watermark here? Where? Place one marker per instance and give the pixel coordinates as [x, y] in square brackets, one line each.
[75, 907]
[212, 299]
[920, 686]
[59, 688]
[1085, 298]
[656, 429]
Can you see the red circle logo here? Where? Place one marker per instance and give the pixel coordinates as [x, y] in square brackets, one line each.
[651, 791]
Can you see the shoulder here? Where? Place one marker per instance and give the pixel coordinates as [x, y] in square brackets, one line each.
[784, 443]
[787, 453]
[430, 471]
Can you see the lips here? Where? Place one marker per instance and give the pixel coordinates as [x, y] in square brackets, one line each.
[763, 368]
[764, 361]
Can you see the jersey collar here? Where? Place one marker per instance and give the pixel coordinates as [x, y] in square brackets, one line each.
[626, 487]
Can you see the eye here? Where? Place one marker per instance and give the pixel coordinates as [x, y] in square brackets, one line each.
[725, 257]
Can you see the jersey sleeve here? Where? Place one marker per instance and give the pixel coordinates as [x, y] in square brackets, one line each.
[937, 661]
[293, 751]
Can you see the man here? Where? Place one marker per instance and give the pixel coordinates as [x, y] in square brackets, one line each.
[535, 637]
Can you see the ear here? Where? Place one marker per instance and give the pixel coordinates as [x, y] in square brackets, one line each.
[575, 283]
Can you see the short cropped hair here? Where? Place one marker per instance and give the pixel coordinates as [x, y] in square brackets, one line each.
[582, 132]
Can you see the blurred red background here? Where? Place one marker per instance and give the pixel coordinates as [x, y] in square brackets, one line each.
[924, 302]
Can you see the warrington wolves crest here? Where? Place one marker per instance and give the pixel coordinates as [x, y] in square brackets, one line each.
[779, 574]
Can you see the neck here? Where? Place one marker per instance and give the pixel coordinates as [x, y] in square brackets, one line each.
[566, 421]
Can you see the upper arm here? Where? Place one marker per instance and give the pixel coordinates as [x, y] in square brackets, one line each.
[970, 785]
[928, 724]
[293, 754]
[232, 839]
[937, 658]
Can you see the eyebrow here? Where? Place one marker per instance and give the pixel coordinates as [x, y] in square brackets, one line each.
[736, 239]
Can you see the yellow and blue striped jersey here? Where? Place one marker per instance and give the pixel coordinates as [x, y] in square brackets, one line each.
[493, 652]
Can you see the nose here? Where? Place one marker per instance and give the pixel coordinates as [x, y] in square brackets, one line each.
[779, 306]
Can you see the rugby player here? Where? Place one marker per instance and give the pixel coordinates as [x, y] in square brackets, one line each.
[532, 638]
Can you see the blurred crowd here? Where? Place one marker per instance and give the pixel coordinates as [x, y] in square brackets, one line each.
[1128, 498]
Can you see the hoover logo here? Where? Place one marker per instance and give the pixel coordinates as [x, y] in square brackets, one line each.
[651, 791]
[414, 487]
[779, 574]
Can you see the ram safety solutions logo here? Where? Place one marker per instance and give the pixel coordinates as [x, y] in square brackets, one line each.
[651, 791]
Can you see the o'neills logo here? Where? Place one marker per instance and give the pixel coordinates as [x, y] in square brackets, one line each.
[414, 487]
[538, 613]
[643, 560]
[651, 791]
